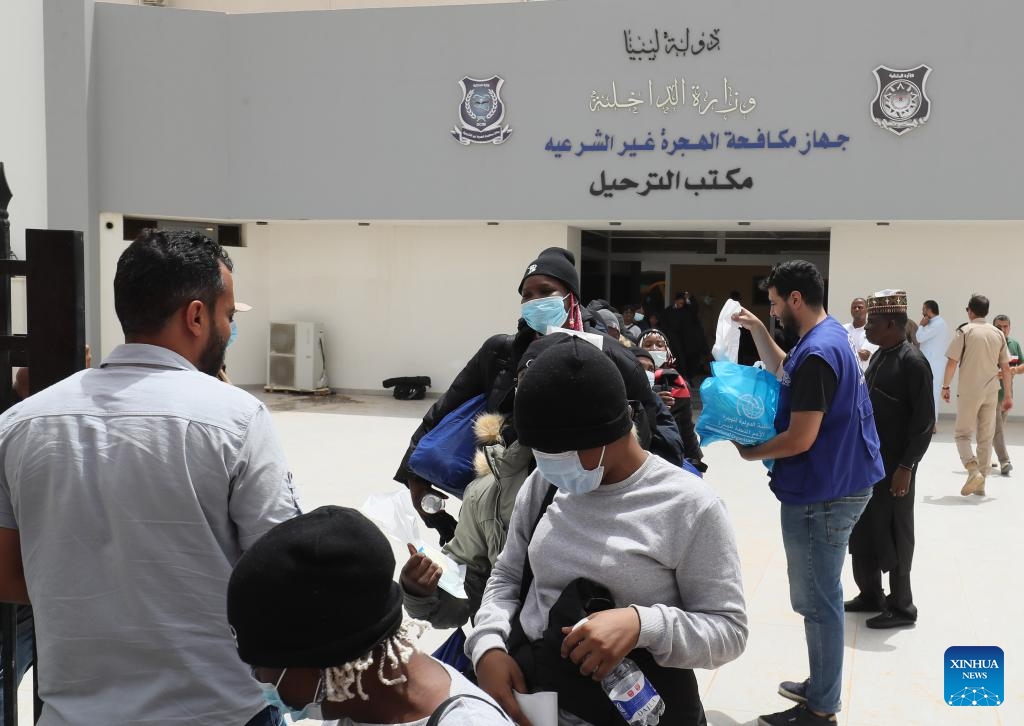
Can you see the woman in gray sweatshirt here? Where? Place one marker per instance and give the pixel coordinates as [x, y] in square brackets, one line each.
[656, 536]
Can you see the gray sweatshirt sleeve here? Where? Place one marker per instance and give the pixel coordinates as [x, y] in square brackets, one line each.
[493, 621]
[711, 628]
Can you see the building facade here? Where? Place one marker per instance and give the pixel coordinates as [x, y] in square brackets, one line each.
[685, 147]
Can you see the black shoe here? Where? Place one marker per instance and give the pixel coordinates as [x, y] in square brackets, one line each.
[861, 604]
[890, 619]
[799, 715]
[794, 690]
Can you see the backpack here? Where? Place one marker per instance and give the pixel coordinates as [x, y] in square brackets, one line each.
[408, 388]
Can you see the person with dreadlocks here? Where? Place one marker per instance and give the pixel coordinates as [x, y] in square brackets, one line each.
[317, 615]
[550, 298]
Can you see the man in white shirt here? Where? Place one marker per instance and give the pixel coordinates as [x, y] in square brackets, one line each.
[128, 492]
[933, 335]
[858, 338]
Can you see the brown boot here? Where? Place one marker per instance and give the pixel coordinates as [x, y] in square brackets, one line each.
[975, 480]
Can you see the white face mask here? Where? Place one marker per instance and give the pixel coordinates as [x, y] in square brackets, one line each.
[566, 471]
[650, 377]
[659, 356]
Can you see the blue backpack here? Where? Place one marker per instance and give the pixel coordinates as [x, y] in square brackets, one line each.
[444, 456]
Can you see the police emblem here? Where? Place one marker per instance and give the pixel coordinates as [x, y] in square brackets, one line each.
[901, 102]
[481, 112]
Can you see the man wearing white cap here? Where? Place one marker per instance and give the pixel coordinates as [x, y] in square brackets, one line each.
[900, 384]
[240, 307]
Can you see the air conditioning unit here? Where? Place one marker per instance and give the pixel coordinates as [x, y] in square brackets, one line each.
[297, 359]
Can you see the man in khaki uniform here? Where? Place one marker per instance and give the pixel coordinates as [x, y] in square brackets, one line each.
[980, 351]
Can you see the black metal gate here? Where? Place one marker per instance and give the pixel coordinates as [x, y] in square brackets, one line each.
[54, 348]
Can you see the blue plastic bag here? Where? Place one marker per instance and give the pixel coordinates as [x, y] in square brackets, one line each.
[739, 405]
[444, 456]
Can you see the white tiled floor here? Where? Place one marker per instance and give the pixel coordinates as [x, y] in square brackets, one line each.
[966, 570]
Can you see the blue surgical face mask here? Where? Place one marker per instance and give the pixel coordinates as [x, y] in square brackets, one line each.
[545, 312]
[650, 377]
[659, 356]
[566, 471]
[272, 697]
[234, 332]
[637, 317]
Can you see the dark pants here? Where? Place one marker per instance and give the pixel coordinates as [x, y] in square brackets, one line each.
[269, 716]
[867, 573]
[25, 649]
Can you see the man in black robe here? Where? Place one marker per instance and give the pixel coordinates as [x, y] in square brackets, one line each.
[900, 381]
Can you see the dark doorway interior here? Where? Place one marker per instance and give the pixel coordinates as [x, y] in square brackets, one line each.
[649, 267]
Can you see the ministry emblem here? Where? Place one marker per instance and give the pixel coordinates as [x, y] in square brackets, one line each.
[481, 112]
[901, 102]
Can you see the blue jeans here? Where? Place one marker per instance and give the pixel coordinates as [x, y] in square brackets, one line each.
[815, 537]
[25, 653]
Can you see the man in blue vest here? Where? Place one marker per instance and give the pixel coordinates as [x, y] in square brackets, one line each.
[826, 456]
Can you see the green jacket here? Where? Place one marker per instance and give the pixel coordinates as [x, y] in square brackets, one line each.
[1014, 348]
[483, 525]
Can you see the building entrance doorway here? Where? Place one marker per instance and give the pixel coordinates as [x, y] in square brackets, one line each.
[650, 268]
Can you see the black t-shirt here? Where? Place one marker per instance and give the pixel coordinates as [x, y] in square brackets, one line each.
[814, 386]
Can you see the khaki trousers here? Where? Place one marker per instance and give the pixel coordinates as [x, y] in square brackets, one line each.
[998, 442]
[976, 416]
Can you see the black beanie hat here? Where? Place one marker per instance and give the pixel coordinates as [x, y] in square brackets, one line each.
[314, 592]
[557, 263]
[570, 397]
[642, 353]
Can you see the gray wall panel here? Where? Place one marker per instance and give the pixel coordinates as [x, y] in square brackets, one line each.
[161, 87]
[345, 114]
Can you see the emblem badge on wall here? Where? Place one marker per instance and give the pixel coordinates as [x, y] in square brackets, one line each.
[901, 102]
[481, 112]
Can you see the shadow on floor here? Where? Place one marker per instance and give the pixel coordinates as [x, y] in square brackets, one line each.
[956, 500]
[874, 640]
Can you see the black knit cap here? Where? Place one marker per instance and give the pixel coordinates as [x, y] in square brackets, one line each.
[642, 353]
[557, 263]
[570, 397]
[314, 592]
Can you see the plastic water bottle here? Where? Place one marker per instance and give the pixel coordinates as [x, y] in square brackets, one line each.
[431, 503]
[633, 695]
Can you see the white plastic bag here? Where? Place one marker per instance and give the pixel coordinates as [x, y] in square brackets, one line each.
[395, 516]
[727, 334]
[593, 338]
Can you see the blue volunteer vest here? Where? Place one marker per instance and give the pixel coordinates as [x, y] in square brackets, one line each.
[845, 457]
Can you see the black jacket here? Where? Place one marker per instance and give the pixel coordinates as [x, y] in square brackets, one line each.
[492, 370]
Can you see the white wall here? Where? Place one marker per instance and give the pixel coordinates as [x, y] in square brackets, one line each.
[395, 299]
[23, 121]
[942, 261]
[111, 247]
[23, 128]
